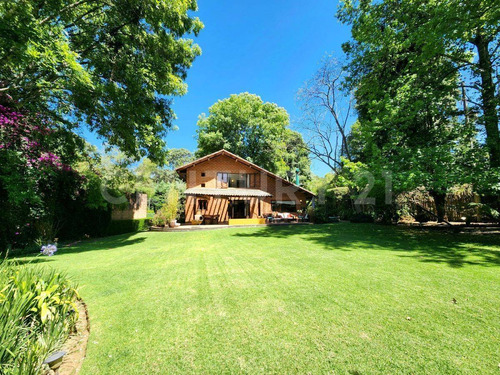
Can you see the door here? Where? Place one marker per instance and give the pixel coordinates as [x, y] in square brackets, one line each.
[238, 209]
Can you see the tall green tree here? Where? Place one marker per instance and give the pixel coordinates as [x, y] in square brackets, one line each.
[112, 65]
[467, 33]
[295, 159]
[407, 105]
[177, 157]
[461, 38]
[256, 130]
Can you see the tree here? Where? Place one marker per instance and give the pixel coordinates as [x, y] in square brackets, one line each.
[407, 104]
[464, 35]
[177, 157]
[255, 130]
[471, 34]
[295, 159]
[121, 176]
[327, 111]
[37, 177]
[110, 65]
[166, 178]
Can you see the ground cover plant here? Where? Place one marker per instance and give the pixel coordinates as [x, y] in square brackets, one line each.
[338, 298]
[37, 312]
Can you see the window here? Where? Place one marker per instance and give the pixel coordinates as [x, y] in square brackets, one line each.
[202, 185]
[284, 206]
[202, 174]
[202, 204]
[237, 180]
[221, 180]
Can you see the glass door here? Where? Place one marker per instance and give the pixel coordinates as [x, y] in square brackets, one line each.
[238, 209]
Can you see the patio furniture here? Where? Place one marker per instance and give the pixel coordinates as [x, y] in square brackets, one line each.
[288, 217]
[304, 218]
[211, 219]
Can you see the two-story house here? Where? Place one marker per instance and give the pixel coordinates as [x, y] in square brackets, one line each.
[224, 186]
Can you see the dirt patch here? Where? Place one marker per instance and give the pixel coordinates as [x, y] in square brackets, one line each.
[76, 344]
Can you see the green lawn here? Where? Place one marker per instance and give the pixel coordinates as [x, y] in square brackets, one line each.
[341, 298]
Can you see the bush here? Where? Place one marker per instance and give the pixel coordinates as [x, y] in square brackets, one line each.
[158, 220]
[361, 217]
[319, 214]
[37, 312]
[169, 211]
[82, 222]
[171, 207]
[126, 226]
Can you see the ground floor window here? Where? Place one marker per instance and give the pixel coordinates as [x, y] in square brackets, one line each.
[202, 204]
[284, 206]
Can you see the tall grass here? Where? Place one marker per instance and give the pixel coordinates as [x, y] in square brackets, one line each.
[37, 312]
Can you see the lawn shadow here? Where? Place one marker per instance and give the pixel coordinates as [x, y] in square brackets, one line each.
[103, 243]
[454, 249]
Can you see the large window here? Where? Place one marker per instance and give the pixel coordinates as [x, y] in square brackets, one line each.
[284, 206]
[237, 180]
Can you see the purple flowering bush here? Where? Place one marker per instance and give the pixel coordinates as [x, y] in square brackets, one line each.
[36, 177]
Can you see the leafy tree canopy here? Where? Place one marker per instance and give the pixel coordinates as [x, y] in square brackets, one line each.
[121, 175]
[256, 130]
[412, 62]
[407, 86]
[177, 157]
[110, 65]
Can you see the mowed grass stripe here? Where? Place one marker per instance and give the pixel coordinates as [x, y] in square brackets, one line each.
[340, 298]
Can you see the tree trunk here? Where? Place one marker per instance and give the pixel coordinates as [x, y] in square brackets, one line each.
[488, 98]
[439, 201]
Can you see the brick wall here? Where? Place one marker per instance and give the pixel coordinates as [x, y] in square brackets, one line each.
[137, 209]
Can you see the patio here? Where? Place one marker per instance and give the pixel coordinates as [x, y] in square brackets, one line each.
[191, 227]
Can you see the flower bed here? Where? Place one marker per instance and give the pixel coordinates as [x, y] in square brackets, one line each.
[37, 313]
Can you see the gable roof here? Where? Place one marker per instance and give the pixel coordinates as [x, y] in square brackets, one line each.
[203, 159]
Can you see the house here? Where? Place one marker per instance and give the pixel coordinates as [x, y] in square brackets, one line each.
[225, 188]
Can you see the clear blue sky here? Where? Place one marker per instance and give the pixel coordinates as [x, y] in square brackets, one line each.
[269, 48]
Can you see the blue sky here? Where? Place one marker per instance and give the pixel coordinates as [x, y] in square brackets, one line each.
[269, 48]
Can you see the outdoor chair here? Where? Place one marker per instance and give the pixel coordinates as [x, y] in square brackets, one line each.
[304, 218]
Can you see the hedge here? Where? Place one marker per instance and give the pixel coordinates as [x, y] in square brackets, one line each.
[126, 226]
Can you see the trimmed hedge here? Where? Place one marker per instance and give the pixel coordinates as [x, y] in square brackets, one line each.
[126, 226]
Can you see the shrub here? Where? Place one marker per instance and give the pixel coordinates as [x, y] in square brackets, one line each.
[126, 226]
[37, 313]
[362, 217]
[158, 220]
[318, 214]
[170, 209]
[171, 206]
